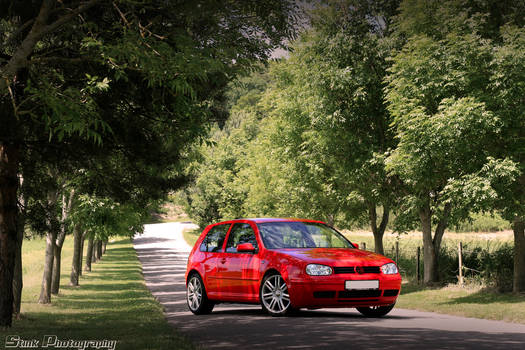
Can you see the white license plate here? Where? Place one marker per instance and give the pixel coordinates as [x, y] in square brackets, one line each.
[368, 284]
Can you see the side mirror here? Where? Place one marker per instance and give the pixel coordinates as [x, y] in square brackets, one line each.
[246, 248]
[356, 246]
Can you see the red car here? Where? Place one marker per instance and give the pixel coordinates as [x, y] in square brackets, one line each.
[285, 265]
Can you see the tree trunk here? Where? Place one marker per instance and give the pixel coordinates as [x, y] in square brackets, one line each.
[83, 240]
[104, 247]
[76, 265]
[519, 256]
[330, 220]
[67, 203]
[89, 255]
[432, 245]
[430, 260]
[45, 292]
[378, 232]
[17, 279]
[55, 282]
[94, 252]
[99, 250]
[9, 163]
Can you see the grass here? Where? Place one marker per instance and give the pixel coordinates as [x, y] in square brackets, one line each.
[469, 301]
[191, 236]
[112, 302]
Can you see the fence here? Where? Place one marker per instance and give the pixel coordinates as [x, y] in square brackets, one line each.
[460, 263]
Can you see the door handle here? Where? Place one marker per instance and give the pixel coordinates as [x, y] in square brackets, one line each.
[223, 260]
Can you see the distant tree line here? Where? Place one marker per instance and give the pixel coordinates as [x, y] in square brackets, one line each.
[403, 113]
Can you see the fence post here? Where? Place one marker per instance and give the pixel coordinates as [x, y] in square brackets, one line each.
[460, 256]
[418, 272]
[397, 252]
[363, 244]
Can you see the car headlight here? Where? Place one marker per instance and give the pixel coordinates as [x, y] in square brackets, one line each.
[389, 269]
[318, 270]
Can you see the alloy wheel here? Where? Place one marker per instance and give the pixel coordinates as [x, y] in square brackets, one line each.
[194, 293]
[275, 295]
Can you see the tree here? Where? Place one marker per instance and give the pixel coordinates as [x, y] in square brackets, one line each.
[332, 127]
[438, 95]
[159, 74]
[218, 191]
[507, 87]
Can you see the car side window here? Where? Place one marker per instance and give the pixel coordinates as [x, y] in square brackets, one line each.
[240, 233]
[214, 239]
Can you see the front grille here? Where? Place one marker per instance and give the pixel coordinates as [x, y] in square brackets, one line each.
[390, 292]
[348, 269]
[351, 269]
[365, 293]
[324, 294]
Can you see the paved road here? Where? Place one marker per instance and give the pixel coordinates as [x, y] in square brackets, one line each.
[163, 254]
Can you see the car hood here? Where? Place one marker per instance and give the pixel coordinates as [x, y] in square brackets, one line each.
[337, 256]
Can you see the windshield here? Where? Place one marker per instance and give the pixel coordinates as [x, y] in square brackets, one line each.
[278, 235]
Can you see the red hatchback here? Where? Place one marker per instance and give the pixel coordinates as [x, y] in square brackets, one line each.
[285, 265]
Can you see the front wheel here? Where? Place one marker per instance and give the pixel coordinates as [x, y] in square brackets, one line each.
[198, 301]
[375, 311]
[274, 295]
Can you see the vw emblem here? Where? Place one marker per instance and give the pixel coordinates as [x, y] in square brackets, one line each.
[359, 270]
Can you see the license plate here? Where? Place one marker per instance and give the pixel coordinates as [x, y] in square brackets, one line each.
[368, 284]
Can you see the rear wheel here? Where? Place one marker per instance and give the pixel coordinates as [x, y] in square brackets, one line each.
[375, 311]
[198, 301]
[274, 295]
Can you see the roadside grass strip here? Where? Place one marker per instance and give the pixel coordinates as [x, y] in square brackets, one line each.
[111, 304]
[467, 301]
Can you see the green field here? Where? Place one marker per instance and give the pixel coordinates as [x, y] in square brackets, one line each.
[112, 302]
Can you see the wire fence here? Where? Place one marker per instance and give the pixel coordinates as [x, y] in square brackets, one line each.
[489, 263]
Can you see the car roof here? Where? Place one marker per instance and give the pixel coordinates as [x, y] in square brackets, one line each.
[262, 220]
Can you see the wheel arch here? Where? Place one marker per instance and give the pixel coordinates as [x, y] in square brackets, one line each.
[270, 271]
[191, 273]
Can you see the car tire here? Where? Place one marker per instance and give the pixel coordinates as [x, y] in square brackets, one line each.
[375, 311]
[274, 296]
[198, 301]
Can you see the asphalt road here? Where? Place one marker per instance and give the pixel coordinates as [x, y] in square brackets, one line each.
[163, 254]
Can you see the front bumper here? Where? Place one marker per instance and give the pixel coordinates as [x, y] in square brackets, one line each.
[329, 291]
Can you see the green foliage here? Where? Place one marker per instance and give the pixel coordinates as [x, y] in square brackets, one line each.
[320, 141]
[102, 218]
[446, 123]
[483, 222]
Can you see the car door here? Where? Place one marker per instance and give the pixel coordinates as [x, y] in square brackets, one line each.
[238, 272]
[212, 246]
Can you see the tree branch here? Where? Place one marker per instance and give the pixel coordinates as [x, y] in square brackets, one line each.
[66, 18]
[38, 31]
[19, 58]
[64, 60]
